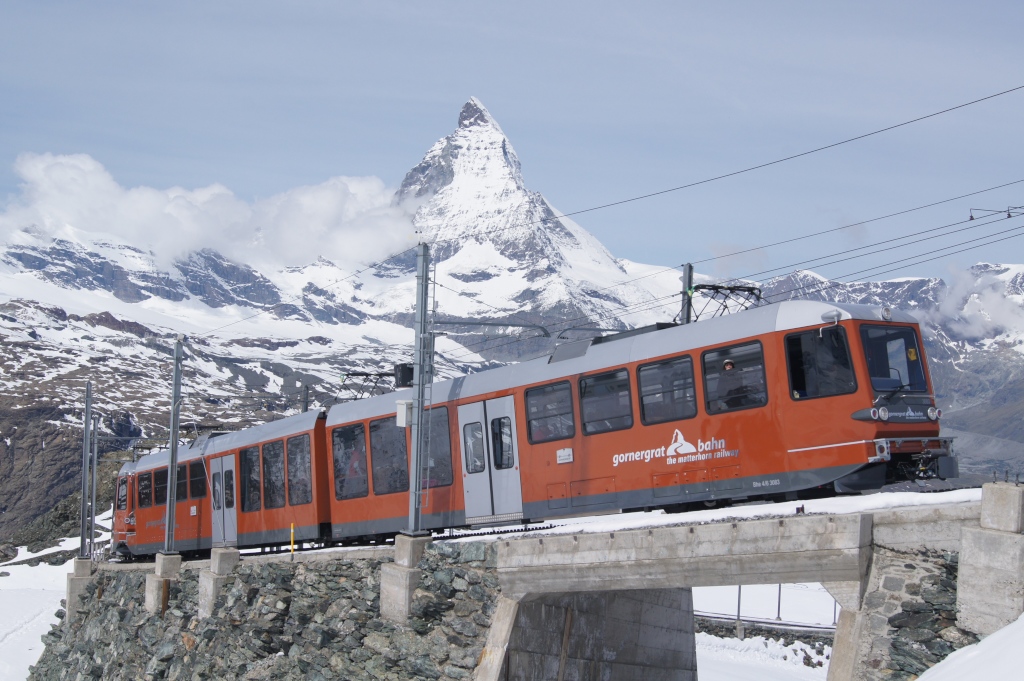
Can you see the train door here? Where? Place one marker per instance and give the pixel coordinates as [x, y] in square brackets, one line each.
[225, 522]
[490, 463]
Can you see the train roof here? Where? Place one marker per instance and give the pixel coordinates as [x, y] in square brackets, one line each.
[206, 445]
[589, 355]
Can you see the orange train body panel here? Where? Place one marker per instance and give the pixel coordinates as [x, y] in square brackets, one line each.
[783, 401]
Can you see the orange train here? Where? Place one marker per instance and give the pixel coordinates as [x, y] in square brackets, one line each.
[784, 401]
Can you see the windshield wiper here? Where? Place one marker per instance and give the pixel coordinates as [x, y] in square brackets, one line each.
[892, 393]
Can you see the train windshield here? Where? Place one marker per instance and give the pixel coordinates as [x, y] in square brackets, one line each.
[894, 358]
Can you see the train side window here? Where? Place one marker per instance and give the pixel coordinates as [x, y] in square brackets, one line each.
[473, 436]
[549, 413]
[605, 403]
[389, 457]
[122, 494]
[273, 474]
[145, 490]
[734, 378]
[250, 479]
[501, 443]
[667, 391]
[216, 491]
[197, 479]
[350, 478]
[160, 487]
[181, 483]
[300, 478]
[439, 449]
[229, 489]
[819, 364]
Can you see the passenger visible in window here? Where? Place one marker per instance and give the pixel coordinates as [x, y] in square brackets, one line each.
[730, 386]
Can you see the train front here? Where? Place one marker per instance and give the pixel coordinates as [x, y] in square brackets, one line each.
[903, 415]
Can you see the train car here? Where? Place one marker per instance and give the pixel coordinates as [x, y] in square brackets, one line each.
[248, 488]
[783, 401]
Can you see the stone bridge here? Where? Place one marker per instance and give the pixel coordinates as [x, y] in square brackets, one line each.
[914, 583]
[621, 600]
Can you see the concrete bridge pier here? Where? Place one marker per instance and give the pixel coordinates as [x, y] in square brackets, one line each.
[78, 579]
[851, 628]
[212, 580]
[158, 585]
[991, 589]
[633, 635]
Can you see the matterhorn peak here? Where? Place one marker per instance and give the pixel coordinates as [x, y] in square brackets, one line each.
[477, 151]
[475, 113]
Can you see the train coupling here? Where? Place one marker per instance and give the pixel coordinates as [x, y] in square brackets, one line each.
[918, 458]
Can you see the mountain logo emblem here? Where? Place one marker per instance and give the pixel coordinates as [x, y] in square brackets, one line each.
[680, 445]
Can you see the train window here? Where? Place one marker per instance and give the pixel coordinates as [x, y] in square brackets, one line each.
[122, 494]
[501, 443]
[549, 413]
[734, 378]
[273, 474]
[389, 457]
[667, 391]
[473, 436]
[216, 491]
[145, 490]
[894, 359]
[605, 403]
[439, 448]
[181, 483]
[819, 364]
[229, 489]
[300, 479]
[250, 474]
[197, 479]
[350, 479]
[160, 487]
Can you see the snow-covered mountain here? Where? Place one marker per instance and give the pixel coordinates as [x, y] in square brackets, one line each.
[81, 304]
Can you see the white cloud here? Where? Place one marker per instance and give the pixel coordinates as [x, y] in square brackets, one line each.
[349, 220]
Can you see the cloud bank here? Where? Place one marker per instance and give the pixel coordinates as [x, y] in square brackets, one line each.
[349, 220]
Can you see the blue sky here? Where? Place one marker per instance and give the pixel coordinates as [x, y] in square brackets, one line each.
[601, 100]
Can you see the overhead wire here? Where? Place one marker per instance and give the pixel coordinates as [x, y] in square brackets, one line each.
[900, 263]
[748, 169]
[810, 235]
[1014, 231]
[976, 223]
[635, 198]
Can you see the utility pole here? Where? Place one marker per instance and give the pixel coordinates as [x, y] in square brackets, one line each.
[686, 315]
[305, 399]
[83, 550]
[95, 465]
[172, 468]
[423, 369]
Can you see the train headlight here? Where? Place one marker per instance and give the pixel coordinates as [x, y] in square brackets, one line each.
[933, 413]
[887, 314]
[883, 413]
[874, 414]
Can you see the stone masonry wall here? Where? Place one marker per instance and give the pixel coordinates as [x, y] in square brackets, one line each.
[910, 606]
[279, 620]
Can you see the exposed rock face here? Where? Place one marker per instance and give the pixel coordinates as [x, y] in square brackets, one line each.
[282, 621]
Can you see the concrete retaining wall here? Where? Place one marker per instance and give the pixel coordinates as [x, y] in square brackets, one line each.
[613, 635]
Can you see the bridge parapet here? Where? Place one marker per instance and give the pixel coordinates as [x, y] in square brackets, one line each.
[778, 550]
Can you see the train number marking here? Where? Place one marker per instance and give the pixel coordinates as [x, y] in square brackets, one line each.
[766, 483]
